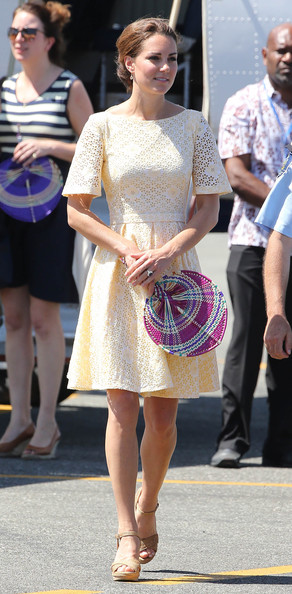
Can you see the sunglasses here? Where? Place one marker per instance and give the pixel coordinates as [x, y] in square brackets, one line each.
[28, 33]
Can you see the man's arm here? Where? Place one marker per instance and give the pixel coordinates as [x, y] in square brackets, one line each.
[278, 334]
[244, 183]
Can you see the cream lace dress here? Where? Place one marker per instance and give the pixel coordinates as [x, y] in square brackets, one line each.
[146, 167]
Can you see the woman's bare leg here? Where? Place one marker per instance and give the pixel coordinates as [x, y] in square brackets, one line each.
[45, 316]
[157, 447]
[122, 459]
[19, 357]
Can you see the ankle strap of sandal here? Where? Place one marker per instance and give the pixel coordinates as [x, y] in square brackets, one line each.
[129, 533]
[147, 512]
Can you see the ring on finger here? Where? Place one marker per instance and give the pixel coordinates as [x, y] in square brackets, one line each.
[149, 273]
[34, 155]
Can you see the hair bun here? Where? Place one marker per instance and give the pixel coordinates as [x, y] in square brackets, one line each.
[60, 13]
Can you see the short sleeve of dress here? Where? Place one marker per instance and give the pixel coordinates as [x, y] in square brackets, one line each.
[236, 128]
[84, 175]
[209, 175]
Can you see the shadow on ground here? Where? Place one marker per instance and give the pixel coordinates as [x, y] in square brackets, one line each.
[181, 577]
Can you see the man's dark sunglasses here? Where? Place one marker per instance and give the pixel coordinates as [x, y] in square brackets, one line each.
[28, 33]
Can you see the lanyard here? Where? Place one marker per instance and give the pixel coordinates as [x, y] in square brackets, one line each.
[285, 135]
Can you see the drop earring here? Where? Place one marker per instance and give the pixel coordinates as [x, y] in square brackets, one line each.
[131, 77]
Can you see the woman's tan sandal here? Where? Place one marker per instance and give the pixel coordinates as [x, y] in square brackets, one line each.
[148, 542]
[132, 563]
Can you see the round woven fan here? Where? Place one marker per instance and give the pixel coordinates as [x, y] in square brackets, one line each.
[186, 315]
[30, 193]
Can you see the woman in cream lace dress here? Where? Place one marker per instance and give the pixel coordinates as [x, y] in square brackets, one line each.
[145, 151]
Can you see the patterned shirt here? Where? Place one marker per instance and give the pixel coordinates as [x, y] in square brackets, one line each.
[254, 121]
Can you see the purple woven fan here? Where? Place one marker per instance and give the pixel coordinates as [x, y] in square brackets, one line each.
[186, 315]
[31, 193]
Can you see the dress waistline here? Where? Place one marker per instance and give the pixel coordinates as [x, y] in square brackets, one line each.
[152, 217]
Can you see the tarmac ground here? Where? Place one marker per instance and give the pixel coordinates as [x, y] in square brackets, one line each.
[221, 531]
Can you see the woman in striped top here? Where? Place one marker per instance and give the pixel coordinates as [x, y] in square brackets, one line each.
[43, 110]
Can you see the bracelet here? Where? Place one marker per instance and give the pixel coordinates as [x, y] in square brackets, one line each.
[123, 260]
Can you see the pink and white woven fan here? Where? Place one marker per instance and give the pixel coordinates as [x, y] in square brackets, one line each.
[186, 315]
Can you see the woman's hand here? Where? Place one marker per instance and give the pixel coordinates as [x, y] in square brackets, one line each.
[146, 267]
[28, 150]
[149, 265]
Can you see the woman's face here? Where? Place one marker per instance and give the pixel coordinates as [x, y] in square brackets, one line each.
[29, 49]
[155, 67]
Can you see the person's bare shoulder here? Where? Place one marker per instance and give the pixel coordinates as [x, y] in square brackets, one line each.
[120, 109]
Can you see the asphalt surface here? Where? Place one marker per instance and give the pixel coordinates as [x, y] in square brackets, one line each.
[220, 530]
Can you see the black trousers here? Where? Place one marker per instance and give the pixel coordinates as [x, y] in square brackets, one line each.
[244, 275]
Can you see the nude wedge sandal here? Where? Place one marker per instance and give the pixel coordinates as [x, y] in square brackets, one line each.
[131, 562]
[148, 542]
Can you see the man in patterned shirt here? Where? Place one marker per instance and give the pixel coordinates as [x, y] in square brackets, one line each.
[255, 126]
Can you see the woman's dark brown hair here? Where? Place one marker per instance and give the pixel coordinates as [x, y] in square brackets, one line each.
[54, 16]
[131, 40]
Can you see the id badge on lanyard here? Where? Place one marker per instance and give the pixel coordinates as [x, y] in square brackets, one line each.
[286, 136]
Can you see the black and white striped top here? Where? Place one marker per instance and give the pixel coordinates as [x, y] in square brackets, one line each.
[44, 117]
